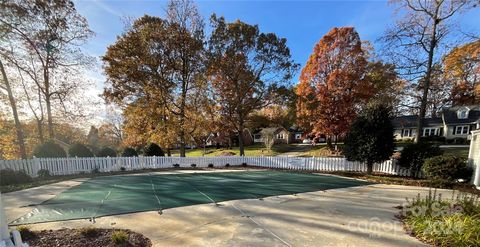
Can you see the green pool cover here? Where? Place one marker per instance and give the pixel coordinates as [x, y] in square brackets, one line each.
[113, 195]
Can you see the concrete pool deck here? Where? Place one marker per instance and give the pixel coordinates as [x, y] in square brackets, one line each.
[355, 216]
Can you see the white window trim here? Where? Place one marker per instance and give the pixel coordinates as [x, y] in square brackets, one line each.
[463, 110]
[298, 136]
[408, 133]
[280, 136]
[464, 129]
[436, 131]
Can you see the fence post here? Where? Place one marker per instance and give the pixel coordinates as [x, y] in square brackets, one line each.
[4, 234]
[36, 166]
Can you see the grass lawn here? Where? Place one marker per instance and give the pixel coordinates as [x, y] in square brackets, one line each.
[253, 150]
[457, 151]
[321, 150]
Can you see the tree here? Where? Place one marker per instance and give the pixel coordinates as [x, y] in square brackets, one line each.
[148, 122]
[246, 69]
[5, 85]
[153, 149]
[416, 40]
[462, 70]
[50, 33]
[268, 138]
[93, 140]
[370, 138]
[332, 86]
[161, 62]
[7, 137]
[385, 85]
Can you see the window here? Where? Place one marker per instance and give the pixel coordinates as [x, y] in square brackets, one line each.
[461, 130]
[430, 131]
[462, 113]
[407, 132]
[298, 136]
[280, 136]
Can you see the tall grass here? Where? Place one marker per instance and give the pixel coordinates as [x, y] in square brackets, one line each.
[453, 221]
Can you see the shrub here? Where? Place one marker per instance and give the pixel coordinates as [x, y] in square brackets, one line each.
[444, 222]
[413, 155]
[193, 165]
[459, 140]
[88, 231]
[446, 167]
[210, 165]
[25, 232]
[43, 173]
[123, 169]
[49, 149]
[176, 165]
[129, 152]
[370, 137]
[107, 152]
[119, 237]
[227, 165]
[79, 150]
[153, 149]
[244, 164]
[9, 176]
[434, 139]
[95, 171]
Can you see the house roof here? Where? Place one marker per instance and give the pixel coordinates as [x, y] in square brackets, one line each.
[450, 114]
[411, 121]
[272, 130]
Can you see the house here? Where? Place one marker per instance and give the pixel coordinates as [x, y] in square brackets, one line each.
[228, 139]
[454, 122]
[280, 135]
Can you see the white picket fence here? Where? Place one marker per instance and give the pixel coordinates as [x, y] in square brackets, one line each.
[68, 166]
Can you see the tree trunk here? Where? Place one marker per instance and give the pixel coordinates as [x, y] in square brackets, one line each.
[426, 85]
[49, 118]
[369, 167]
[41, 137]
[240, 138]
[182, 143]
[13, 105]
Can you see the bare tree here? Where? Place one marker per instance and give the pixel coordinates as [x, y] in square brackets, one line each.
[416, 41]
[46, 37]
[5, 86]
[268, 138]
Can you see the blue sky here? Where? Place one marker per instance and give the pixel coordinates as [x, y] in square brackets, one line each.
[303, 23]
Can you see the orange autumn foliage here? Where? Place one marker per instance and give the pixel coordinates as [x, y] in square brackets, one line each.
[332, 86]
[462, 69]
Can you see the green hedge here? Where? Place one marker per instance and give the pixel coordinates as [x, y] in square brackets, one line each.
[9, 176]
[107, 152]
[129, 152]
[80, 150]
[49, 149]
[153, 149]
[413, 155]
[448, 168]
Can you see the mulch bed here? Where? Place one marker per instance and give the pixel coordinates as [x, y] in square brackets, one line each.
[74, 238]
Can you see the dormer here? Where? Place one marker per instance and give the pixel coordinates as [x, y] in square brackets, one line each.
[462, 112]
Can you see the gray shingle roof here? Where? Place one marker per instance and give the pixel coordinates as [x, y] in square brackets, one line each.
[450, 115]
[410, 121]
